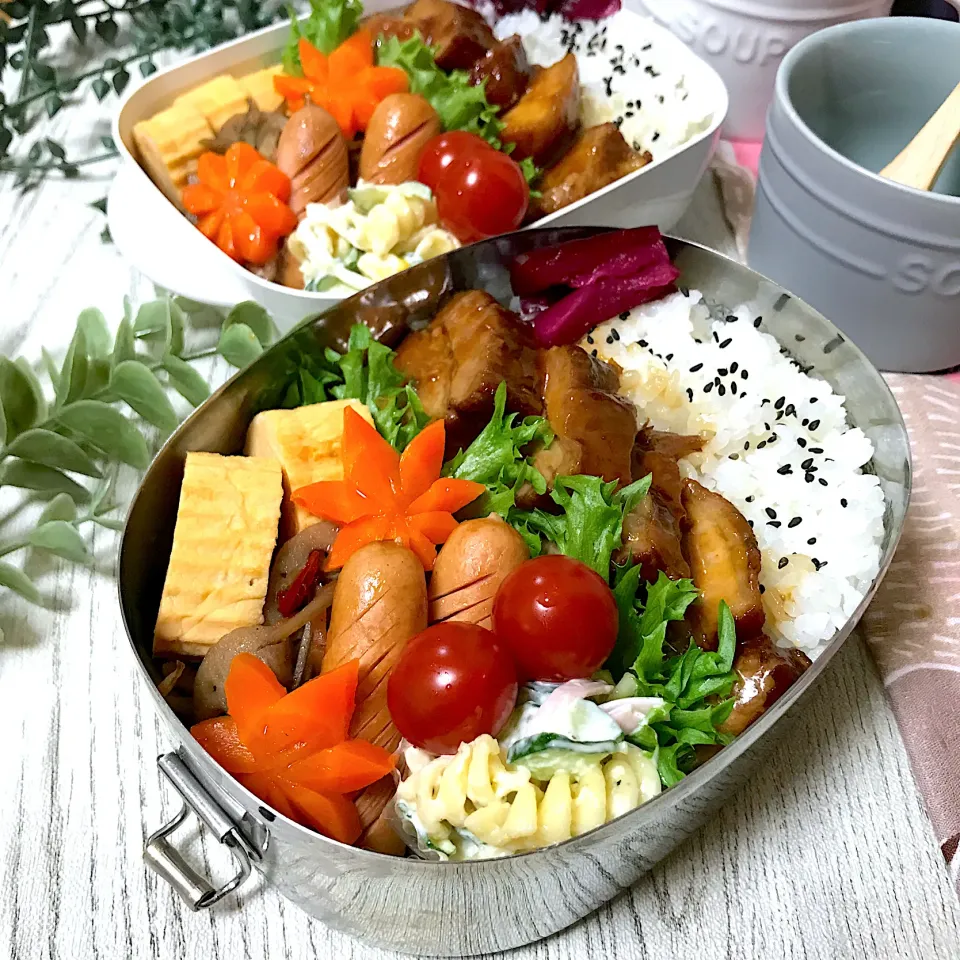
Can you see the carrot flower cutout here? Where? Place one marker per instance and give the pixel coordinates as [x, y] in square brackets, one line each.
[388, 496]
[291, 749]
[240, 203]
[346, 84]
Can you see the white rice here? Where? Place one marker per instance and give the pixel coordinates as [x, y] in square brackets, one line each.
[627, 75]
[780, 449]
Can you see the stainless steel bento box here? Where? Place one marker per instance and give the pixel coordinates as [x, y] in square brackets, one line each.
[458, 909]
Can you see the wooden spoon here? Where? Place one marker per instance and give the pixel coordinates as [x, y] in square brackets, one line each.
[920, 162]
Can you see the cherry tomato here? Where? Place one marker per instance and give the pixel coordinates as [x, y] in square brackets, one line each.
[453, 682]
[441, 151]
[558, 618]
[482, 194]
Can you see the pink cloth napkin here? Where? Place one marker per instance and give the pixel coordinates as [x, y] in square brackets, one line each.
[913, 625]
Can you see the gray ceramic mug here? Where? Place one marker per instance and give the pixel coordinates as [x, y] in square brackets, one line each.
[880, 260]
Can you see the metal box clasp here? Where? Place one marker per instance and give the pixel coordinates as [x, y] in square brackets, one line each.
[166, 860]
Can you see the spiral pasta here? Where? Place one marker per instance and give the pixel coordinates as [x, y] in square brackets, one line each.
[472, 804]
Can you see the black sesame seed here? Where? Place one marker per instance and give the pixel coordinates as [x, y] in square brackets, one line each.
[790, 410]
[696, 367]
[722, 390]
[734, 366]
[593, 352]
[783, 562]
[763, 589]
[723, 371]
[808, 477]
[642, 343]
[734, 456]
[773, 438]
[744, 375]
[668, 357]
[799, 337]
[625, 315]
[751, 498]
[726, 343]
[804, 421]
[609, 339]
[770, 512]
[779, 404]
[656, 135]
[763, 403]
[813, 399]
[801, 442]
[782, 302]
[589, 339]
[814, 424]
[785, 470]
[757, 322]
[822, 482]
[733, 389]
[817, 564]
[811, 541]
[761, 444]
[795, 522]
[746, 446]
[689, 394]
[708, 388]
[751, 524]
[807, 464]
[774, 523]
[615, 333]
[731, 318]
[816, 449]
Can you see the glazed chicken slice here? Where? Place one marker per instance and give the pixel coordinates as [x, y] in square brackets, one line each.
[599, 156]
[459, 360]
[506, 70]
[724, 559]
[459, 35]
[594, 426]
[651, 531]
[765, 672]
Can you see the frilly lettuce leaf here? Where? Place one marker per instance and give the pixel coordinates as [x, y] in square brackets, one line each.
[327, 25]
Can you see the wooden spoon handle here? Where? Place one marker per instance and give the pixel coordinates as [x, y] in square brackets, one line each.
[920, 162]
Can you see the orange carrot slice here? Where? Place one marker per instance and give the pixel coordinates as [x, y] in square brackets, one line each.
[351, 765]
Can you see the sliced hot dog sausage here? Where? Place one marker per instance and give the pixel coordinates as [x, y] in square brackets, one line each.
[470, 568]
[398, 130]
[379, 604]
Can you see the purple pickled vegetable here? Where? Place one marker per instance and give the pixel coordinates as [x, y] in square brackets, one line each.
[563, 262]
[579, 312]
[625, 264]
[531, 307]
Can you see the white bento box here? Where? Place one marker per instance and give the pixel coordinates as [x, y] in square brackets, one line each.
[153, 235]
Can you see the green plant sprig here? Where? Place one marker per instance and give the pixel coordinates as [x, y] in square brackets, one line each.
[104, 407]
[116, 37]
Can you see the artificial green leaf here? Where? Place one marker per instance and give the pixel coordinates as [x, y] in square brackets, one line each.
[186, 381]
[256, 318]
[61, 538]
[36, 476]
[21, 406]
[239, 345]
[53, 450]
[3, 424]
[35, 387]
[61, 507]
[97, 378]
[95, 331]
[73, 373]
[51, 368]
[19, 582]
[201, 315]
[156, 322]
[135, 384]
[124, 345]
[108, 429]
[111, 523]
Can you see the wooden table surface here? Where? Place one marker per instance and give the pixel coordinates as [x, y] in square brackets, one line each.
[828, 854]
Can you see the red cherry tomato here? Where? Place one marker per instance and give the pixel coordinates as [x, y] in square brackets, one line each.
[482, 194]
[453, 682]
[441, 151]
[557, 617]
